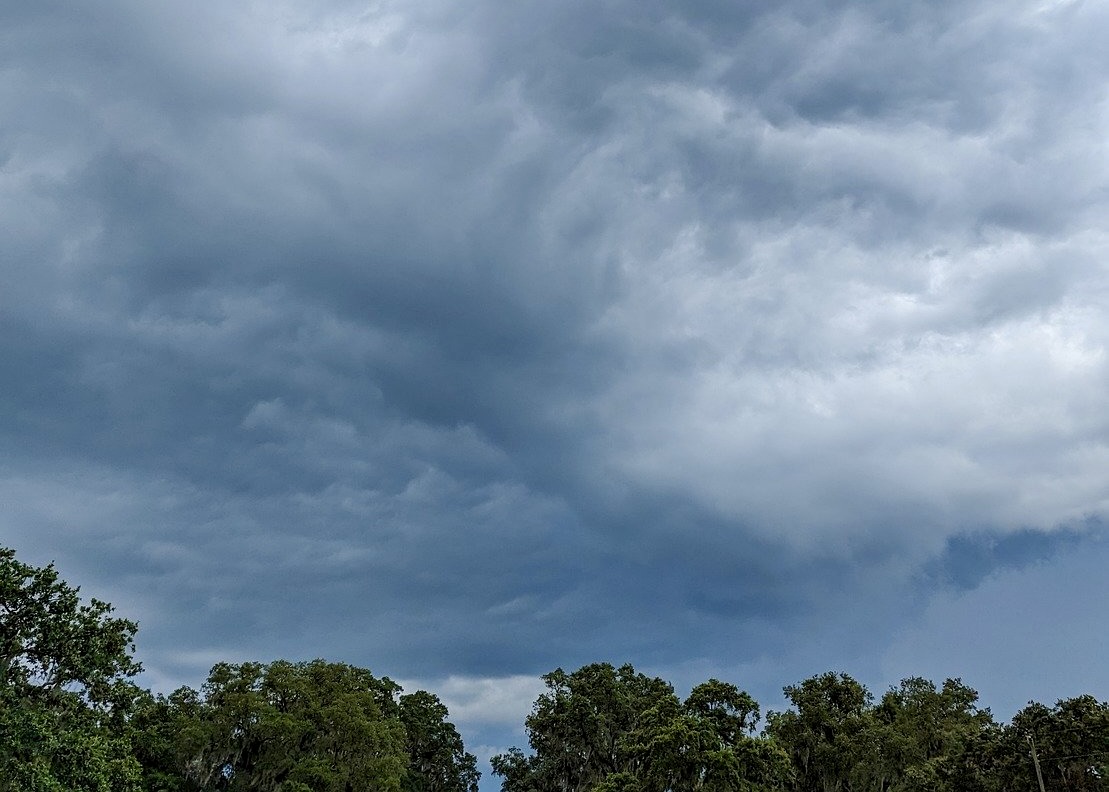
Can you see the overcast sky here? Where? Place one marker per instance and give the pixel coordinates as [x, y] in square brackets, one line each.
[464, 340]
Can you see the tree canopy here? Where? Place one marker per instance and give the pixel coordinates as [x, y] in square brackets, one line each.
[614, 729]
[73, 720]
[63, 689]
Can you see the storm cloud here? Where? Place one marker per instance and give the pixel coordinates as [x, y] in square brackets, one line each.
[466, 340]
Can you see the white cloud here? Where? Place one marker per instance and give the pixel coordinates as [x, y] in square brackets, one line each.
[389, 327]
[484, 701]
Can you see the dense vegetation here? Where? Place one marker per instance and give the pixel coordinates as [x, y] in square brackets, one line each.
[610, 729]
[72, 721]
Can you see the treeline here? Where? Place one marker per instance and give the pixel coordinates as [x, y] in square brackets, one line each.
[72, 721]
[606, 729]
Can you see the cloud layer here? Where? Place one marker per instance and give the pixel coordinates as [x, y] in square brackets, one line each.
[463, 341]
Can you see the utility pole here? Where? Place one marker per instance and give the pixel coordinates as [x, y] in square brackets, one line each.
[1036, 762]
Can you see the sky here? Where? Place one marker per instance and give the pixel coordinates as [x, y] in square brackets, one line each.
[467, 340]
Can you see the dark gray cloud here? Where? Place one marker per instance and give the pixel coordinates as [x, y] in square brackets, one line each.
[464, 340]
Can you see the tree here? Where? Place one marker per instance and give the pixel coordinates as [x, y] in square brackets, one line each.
[1072, 742]
[612, 730]
[922, 732]
[731, 712]
[168, 733]
[707, 745]
[917, 738]
[64, 695]
[280, 727]
[437, 759]
[826, 737]
[578, 729]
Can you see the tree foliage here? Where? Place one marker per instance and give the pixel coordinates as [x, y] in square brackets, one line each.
[72, 721]
[288, 727]
[826, 735]
[437, 758]
[1072, 744]
[921, 729]
[64, 697]
[579, 729]
[613, 729]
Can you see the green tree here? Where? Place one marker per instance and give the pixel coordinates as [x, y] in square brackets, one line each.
[578, 729]
[64, 695]
[922, 732]
[828, 735]
[437, 759]
[1072, 742]
[707, 745]
[614, 730]
[170, 735]
[280, 727]
[976, 768]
